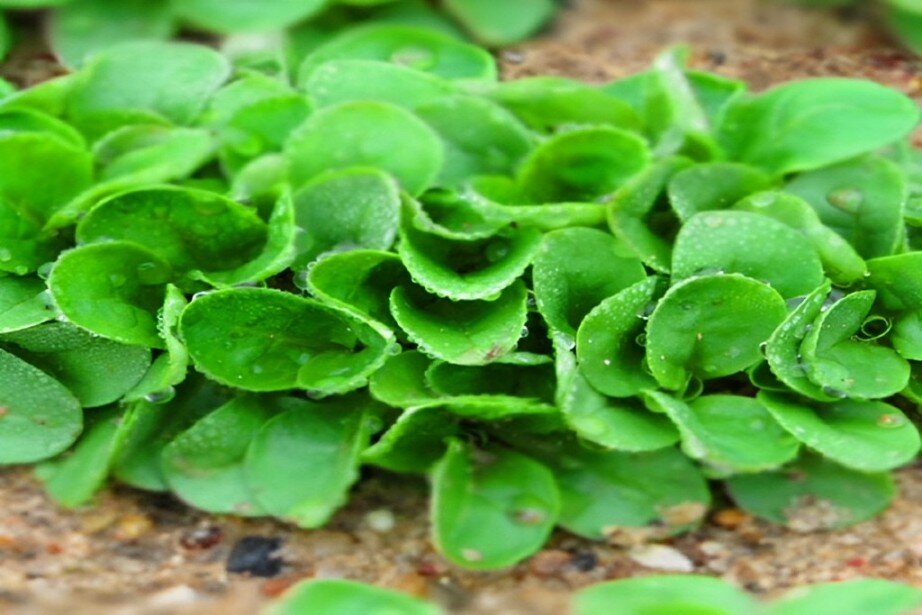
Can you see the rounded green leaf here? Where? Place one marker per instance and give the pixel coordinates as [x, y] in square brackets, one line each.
[24, 303]
[96, 370]
[343, 597]
[244, 15]
[664, 594]
[40, 417]
[728, 433]
[113, 289]
[845, 366]
[575, 269]
[715, 185]
[266, 340]
[145, 79]
[616, 424]
[741, 242]
[582, 164]
[190, 229]
[491, 509]
[608, 342]
[898, 280]
[345, 210]
[810, 124]
[869, 436]
[813, 494]
[616, 495]
[464, 333]
[852, 597]
[419, 48]
[203, 465]
[498, 24]
[467, 270]
[363, 133]
[479, 136]
[906, 335]
[301, 464]
[710, 326]
[339, 81]
[862, 200]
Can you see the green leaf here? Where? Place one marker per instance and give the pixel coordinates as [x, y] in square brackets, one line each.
[340, 81]
[746, 243]
[345, 210]
[845, 366]
[364, 133]
[260, 339]
[851, 597]
[189, 229]
[641, 218]
[24, 303]
[282, 460]
[782, 350]
[546, 104]
[664, 594]
[906, 334]
[898, 280]
[479, 137]
[718, 431]
[145, 79]
[805, 125]
[419, 48]
[582, 164]
[842, 264]
[153, 422]
[96, 370]
[868, 436]
[464, 333]
[467, 270]
[862, 200]
[169, 368]
[492, 508]
[401, 382]
[710, 326]
[616, 495]
[40, 417]
[73, 479]
[343, 597]
[358, 280]
[715, 185]
[497, 24]
[243, 15]
[83, 27]
[113, 289]
[813, 494]
[203, 465]
[608, 344]
[620, 424]
[575, 269]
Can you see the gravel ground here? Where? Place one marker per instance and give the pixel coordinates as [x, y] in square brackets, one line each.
[137, 553]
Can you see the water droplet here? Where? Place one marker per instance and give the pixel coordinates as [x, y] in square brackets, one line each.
[471, 555]
[763, 349]
[891, 420]
[523, 333]
[834, 392]
[641, 339]
[44, 270]
[300, 279]
[161, 397]
[606, 362]
[764, 199]
[257, 369]
[117, 280]
[152, 274]
[5, 255]
[496, 250]
[846, 199]
[414, 56]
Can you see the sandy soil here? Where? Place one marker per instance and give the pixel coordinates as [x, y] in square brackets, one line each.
[141, 553]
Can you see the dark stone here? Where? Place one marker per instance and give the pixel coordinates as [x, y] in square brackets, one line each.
[584, 561]
[255, 555]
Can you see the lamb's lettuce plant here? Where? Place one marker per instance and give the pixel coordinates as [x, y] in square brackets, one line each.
[243, 286]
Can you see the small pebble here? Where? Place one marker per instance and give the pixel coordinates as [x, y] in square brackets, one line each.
[661, 557]
[584, 561]
[730, 518]
[133, 526]
[202, 538]
[381, 521]
[256, 555]
[172, 598]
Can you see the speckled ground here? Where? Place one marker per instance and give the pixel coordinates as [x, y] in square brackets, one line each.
[138, 553]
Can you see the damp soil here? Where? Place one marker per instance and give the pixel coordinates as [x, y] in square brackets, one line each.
[138, 553]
